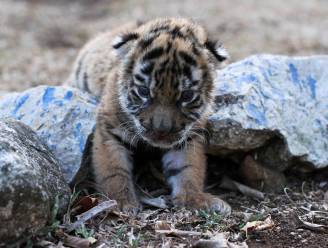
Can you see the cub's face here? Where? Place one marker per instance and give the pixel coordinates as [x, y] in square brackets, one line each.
[167, 81]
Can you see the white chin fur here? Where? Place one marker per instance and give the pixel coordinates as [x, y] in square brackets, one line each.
[160, 144]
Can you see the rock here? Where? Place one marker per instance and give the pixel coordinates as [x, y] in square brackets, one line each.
[264, 98]
[273, 107]
[30, 181]
[62, 117]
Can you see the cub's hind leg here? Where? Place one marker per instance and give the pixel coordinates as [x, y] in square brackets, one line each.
[113, 170]
[185, 173]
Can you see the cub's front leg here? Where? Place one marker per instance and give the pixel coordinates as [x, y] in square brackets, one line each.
[112, 166]
[185, 172]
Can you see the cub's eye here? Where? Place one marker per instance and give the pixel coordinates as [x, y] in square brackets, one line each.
[143, 91]
[187, 96]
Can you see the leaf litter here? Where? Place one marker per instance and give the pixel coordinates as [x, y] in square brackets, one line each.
[295, 216]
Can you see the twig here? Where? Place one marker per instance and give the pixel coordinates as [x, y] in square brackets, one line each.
[82, 218]
[233, 185]
[157, 202]
[286, 193]
[303, 192]
[179, 232]
[311, 226]
[252, 210]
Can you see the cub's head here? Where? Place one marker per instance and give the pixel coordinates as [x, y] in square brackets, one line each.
[167, 78]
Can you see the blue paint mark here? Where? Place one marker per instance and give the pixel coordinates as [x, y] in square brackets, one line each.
[20, 103]
[245, 79]
[294, 74]
[249, 78]
[312, 84]
[93, 100]
[59, 103]
[248, 62]
[317, 123]
[255, 113]
[77, 134]
[48, 96]
[53, 147]
[68, 95]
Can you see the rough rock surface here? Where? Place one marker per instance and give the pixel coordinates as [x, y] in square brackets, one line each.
[62, 117]
[30, 181]
[274, 106]
[266, 96]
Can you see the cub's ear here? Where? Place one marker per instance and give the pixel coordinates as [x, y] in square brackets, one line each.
[217, 50]
[121, 43]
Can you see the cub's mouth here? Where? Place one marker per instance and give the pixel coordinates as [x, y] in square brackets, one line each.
[164, 140]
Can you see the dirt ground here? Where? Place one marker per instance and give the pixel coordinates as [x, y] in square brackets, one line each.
[39, 40]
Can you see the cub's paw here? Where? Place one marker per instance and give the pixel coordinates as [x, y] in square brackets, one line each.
[218, 205]
[202, 201]
[131, 207]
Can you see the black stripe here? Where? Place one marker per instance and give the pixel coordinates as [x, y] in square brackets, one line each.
[194, 83]
[144, 43]
[211, 46]
[160, 28]
[189, 117]
[196, 115]
[147, 69]
[136, 97]
[197, 98]
[187, 58]
[78, 70]
[154, 53]
[125, 38]
[160, 83]
[165, 62]
[187, 72]
[168, 47]
[108, 125]
[196, 106]
[195, 50]
[174, 172]
[130, 67]
[176, 68]
[190, 33]
[176, 33]
[139, 78]
[85, 82]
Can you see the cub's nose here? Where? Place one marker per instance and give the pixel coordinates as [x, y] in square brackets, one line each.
[162, 126]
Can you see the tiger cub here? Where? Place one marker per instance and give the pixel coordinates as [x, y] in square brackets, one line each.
[155, 81]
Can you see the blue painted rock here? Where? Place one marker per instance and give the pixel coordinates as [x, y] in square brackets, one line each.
[276, 103]
[30, 182]
[62, 117]
[274, 106]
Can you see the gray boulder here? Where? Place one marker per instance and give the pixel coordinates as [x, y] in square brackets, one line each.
[62, 117]
[30, 182]
[272, 106]
[276, 105]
